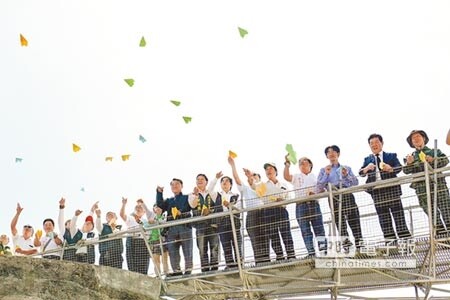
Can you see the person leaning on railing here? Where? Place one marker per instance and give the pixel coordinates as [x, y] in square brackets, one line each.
[179, 236]
[226, 200]
[308, 214]
[48, 242]
[84, 254]
[341, 176]
[415, 161]
[112, 249]
[382, 165]
[138, 257]
[255, 219]
[206, 231]
[158, 243]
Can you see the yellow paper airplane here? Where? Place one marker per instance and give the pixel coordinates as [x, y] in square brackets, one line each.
[125, 157]
[261, 190]
[108, 158]
[76, 148]
[232, 154]
[23, 41]
[422, 156]
[174, 212]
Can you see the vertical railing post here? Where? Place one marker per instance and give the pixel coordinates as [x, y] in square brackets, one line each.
[236, 244]
[431, 220]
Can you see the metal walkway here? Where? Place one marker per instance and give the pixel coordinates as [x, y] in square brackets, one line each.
[300, 278]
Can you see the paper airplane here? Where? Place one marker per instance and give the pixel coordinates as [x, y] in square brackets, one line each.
[174, 212]
[261, 189]
[129, 81]
[187, 119]
[23, 41]
[175, 102]
[292, 155]
[142, 43]
[422, 156]
[75, 148]
[242, 32]
[232, 154]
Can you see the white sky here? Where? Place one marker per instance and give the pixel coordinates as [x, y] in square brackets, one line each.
[309, 74]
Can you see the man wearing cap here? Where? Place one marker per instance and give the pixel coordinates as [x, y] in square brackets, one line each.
[276, 219]
[84, 254]
[23, 244]
[415, 162]
[308, 213]
[381, 165]
[341, 176]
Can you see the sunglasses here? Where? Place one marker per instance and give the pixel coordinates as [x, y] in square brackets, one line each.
[28, 227]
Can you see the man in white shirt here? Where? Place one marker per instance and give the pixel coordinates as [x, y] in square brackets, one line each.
[48, 242]
[309, 215]
[276, 219]
[23, 244]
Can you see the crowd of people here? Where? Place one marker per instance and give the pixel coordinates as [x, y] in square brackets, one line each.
[268, 226]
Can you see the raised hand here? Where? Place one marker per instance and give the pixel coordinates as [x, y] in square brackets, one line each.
[94, 206]
[19, 208]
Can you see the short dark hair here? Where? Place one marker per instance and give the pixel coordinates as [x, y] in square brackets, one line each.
[176, 179]
[375, 136]
[229, 178]
[203, 175]
[49, 220]
[334, 147]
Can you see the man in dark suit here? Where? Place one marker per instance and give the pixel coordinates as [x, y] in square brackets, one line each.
[382, 165]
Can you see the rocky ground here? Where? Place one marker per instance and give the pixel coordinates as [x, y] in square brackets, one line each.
[25, 278]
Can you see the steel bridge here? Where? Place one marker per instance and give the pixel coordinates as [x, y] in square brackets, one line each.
[301, 278]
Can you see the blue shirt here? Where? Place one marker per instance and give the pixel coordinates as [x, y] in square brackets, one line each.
[335, 178]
